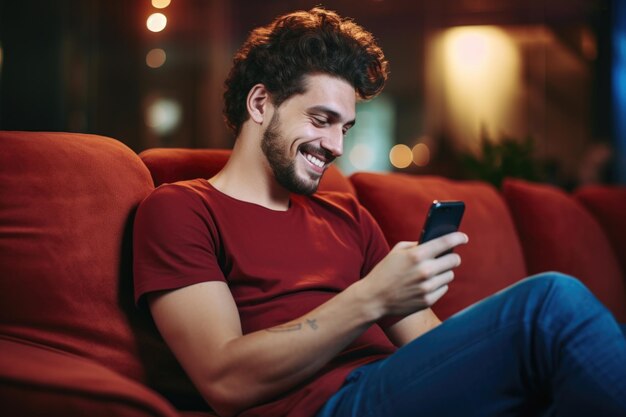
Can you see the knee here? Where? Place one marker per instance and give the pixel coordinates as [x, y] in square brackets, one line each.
[558, 282]
[555, 290]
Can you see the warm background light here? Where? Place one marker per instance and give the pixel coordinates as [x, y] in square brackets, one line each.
[161, 4]
[400, 156]
[511, 83]
[588, 44]
[155, 58]
[421, 155]
[156, 22]
[475, 82]
[482, 70]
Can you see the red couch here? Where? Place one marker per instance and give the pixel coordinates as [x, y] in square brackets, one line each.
[72, 341]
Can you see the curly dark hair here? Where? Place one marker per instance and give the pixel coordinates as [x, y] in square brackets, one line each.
[280, 54]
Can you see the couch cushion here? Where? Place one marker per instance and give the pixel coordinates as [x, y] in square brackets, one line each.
[176, 164]
[66, 208]
[608, 205]
[557, 233]
[493, 258]
[38, 380]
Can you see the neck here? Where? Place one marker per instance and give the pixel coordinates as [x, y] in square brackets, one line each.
[248, 177]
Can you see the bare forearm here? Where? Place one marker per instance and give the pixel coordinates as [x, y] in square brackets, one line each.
[412, 327]
[264, 361]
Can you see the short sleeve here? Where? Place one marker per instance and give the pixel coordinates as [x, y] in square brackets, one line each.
[175, 242]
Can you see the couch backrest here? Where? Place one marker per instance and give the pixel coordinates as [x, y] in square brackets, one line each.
[175, 164]
[608, 205]
[66, 210]
[558, 233]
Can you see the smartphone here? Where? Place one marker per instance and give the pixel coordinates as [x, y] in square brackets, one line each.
[443, 217]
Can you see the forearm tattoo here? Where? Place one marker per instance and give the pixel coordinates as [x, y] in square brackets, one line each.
[292, 327]
[285, 328]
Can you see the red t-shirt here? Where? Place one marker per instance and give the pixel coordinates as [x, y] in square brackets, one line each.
[279, 265]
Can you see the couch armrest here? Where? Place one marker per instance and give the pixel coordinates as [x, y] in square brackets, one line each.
[36, 380]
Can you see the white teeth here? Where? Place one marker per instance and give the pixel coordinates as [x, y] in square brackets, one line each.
[314, 160]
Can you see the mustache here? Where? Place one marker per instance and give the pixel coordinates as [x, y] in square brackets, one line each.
[318, 151]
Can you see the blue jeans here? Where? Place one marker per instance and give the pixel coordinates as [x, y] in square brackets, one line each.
[544, 346]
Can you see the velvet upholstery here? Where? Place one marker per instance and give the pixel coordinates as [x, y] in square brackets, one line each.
[62, 383]
[493, 258]
[608, 205]
[557, 233]
[175, 164]
[66, 210]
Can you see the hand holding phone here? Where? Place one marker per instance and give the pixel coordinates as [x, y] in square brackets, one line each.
[418, 288]
[443, 217]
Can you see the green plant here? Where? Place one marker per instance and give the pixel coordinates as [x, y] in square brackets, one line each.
[508, 157]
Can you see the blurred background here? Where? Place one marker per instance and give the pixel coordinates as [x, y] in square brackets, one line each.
[478, 88]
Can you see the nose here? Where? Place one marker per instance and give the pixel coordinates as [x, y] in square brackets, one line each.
[333, 141]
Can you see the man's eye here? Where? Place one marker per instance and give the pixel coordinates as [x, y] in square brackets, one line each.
[320, 122]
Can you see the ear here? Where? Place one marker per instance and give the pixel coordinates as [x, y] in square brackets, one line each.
[258, 103]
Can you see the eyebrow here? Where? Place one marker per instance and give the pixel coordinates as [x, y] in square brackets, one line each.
[332, 114]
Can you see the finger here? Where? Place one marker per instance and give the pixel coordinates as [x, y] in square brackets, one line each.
[433, 284]
[434, 296]
[434, 247]
[432, 267]
[451, 260]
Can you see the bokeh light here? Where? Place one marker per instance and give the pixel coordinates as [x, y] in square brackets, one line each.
[588, 44]
[421, 155]
[155, 58]
[362, 156]
[160, 4]
[156, 22]
[163, 115]
[400, 156]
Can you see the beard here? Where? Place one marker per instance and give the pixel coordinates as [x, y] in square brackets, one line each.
[284, 167]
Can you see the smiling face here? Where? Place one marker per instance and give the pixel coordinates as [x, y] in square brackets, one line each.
[305, 134]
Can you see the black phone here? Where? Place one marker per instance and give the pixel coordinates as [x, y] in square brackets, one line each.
[443, 217]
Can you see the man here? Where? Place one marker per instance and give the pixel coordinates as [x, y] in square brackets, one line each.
[281, 302]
